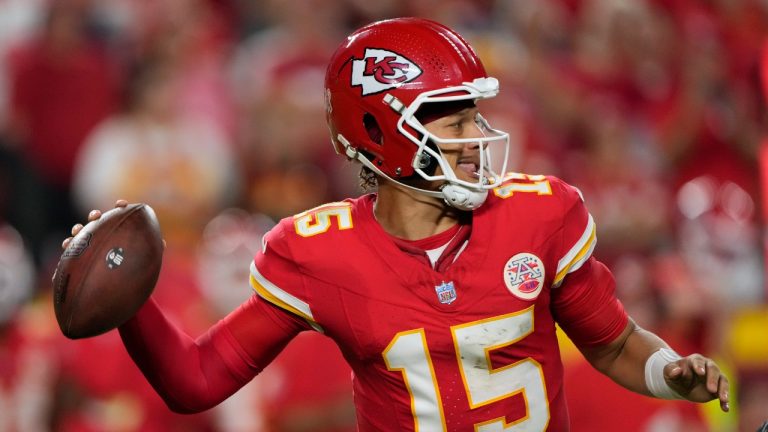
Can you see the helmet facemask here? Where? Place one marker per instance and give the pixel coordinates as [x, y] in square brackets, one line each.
[461, 194]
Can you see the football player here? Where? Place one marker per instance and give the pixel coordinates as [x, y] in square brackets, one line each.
[443, 288]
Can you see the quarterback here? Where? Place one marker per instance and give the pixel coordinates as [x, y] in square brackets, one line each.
[443, 287]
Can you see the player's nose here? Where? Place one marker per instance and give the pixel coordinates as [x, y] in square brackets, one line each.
[473, 133]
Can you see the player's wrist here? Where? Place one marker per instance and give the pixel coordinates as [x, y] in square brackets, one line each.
[654, 374]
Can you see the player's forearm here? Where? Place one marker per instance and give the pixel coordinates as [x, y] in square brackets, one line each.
[624, 359]
[190, 375]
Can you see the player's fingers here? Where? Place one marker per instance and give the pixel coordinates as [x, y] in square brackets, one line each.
[682, 373]
[698, 364]
[713, 376]
[121, 203]
[93, 215]
[76, 229]
[723, 388]
[65, 243]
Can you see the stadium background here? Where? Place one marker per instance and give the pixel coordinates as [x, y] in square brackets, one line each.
[211, 111]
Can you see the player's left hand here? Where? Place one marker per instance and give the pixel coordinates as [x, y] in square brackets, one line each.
[698, 379]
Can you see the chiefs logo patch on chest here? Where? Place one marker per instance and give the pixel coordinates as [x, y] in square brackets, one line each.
[381, 70]
[524, 276]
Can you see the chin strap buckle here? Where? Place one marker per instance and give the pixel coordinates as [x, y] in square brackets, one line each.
[350, 151]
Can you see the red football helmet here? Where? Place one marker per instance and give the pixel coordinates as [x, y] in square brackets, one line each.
[379, 78]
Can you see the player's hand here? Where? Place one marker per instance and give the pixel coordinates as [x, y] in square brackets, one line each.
[92, 216]
[698, 379]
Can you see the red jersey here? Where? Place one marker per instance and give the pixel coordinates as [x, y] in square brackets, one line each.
[470, 348]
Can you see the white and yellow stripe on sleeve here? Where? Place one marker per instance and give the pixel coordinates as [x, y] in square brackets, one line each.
[280, 298]
[578, 254]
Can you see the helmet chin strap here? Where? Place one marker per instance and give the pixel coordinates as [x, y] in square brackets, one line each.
[457, 196]
[463, 198]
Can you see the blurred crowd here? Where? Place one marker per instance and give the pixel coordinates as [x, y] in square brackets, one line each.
[212, 112]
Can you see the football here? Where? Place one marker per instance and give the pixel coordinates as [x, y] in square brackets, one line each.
[107, 272]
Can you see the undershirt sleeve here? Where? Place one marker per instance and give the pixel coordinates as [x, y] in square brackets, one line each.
[193, 375]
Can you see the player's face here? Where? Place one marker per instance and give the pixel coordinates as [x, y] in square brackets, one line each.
[464, 158]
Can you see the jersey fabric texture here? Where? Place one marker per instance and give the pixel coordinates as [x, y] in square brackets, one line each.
[471, 347]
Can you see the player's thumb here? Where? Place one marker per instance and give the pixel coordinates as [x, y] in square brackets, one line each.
[676, 377]
[673, 371]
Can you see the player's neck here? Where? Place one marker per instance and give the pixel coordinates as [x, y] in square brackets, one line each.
[410, 215]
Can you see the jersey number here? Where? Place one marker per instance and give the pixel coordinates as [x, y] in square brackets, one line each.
[408, 353]
[516, 182]
[318, 220]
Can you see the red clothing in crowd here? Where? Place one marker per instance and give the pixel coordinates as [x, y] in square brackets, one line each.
[56, 99]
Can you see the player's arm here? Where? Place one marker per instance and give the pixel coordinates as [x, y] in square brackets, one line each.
[626, 361]
[191, 374]
[585, 305]
[588, 310]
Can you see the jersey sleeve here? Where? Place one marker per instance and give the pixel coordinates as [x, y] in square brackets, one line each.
[584, 299]
[195, 374]
[587, 308]
[578, 238]
[277, 278]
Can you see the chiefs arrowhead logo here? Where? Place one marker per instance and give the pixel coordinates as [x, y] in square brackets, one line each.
[380, 70]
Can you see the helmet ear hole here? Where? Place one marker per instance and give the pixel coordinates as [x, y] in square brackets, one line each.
[373, 129]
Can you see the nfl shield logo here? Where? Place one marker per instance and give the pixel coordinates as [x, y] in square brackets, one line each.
[446, 292]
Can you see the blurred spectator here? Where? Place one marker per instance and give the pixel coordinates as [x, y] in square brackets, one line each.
[763, 154]
[278, 79]
[194, 37]
[750, 363]
[182, 166]
[457, 14]
[18, 21]
[718, 237]
[622, 185]
[226, 249]
[27, 362]
[62, 85]
[16, 273]
[100, 389]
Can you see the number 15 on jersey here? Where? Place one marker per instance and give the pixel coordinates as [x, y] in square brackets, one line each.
[408, 353]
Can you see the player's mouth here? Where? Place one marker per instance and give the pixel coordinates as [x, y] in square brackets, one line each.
[470, 168]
